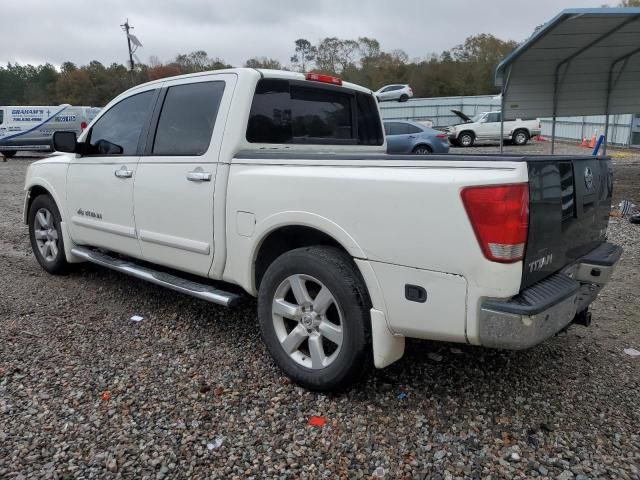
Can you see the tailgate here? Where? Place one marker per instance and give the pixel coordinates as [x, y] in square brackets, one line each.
[569, 203]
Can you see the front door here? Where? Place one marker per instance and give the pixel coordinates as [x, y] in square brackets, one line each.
[176, 175]
[489, 127]
[100, 182]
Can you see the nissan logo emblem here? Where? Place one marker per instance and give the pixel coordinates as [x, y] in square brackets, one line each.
[588, 178]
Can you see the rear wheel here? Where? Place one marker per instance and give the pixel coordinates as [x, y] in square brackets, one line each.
[520, 137]
[8, 153]
[314, 317]
[466, 139]
[46, 235]
[422, 150]
[403, 98]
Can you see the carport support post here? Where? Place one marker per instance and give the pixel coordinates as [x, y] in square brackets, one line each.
[505, 84]
[502, 121]
[610, 85]
[555, 110]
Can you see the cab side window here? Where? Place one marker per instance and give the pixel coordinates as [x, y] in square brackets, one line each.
[492, 118]
[117, 132]
[188, 116]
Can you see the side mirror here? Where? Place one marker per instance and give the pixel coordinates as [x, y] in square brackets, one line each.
[65, 142]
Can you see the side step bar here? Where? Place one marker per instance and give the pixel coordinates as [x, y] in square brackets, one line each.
[195, 289]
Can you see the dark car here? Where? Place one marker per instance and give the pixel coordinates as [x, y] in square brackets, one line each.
[412, 137]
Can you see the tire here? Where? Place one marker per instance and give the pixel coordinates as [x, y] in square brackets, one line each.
[422, 150]
[520, 137]
[403, 98]
[454, 142]
[45, 234]
[321, 341]
[466, 139]
[8, 153]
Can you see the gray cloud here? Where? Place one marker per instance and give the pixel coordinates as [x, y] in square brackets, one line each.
[38, 31]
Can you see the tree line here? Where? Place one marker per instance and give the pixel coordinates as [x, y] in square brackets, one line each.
[466, 69]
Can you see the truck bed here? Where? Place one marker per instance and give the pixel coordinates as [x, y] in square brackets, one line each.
[569, 199]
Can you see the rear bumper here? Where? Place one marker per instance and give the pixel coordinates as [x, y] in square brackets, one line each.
[547, 307]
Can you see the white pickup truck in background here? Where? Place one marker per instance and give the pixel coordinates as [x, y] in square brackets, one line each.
[486, 127]
[273, 184]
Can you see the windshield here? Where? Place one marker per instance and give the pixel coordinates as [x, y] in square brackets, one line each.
[476, 118]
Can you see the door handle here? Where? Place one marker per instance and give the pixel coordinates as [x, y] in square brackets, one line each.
[123, 172]
[199, 175]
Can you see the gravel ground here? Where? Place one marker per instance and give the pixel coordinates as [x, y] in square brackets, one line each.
[87, 393]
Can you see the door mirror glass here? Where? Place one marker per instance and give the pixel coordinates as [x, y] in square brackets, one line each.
[65, 142]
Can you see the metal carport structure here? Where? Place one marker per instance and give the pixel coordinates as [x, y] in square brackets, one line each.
[582, 62]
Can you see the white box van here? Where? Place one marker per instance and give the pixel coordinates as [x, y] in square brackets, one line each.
[29, 128]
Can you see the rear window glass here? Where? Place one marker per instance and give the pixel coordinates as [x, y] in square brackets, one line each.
[289, 112]
[187, 119]
[320, 114]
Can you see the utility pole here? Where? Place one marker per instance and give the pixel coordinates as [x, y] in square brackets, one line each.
[126, 27]
[132, 45]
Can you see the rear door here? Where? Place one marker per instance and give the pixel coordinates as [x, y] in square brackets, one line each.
[176, 176]
[399, 139]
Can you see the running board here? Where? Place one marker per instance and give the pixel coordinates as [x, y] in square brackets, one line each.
[195, 289]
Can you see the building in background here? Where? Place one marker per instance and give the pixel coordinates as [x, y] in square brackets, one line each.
[624, 128]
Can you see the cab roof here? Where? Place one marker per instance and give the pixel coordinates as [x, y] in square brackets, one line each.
[253, 72]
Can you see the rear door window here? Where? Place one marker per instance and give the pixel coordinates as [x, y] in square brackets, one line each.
[295, 112]
[187, 119]
[412, 129]
[398, 128]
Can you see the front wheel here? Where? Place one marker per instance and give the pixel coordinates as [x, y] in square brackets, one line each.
[46, 235]
[466, 139]
[314, 317]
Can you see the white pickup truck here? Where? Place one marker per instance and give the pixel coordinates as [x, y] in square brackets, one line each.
[486, 127]
[246, 182]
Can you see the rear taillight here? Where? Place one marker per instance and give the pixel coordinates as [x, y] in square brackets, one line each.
[318, 77]
[499, 215]
[83, 125]
[442, 135]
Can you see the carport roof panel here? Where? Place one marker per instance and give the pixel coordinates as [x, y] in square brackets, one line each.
[582, 45]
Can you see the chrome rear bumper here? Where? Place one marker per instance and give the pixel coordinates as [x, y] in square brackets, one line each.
[542, 310]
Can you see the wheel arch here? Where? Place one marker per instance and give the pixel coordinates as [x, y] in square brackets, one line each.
[462, 132]
[283, 232]
[36, 189]
[521, 129]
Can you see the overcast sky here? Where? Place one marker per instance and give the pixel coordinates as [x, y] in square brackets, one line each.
[38, 31]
